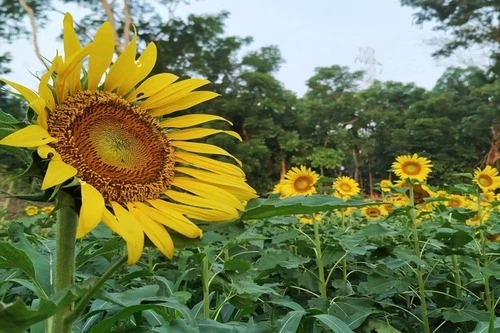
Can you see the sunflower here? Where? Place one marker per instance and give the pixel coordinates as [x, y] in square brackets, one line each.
[385, 185]
[412, 167]
[487, 179]
[346, 186]
[299, 181]
[113, 129]
[456, 201]
[47, 209]
[31, 210]
[373, 212]
[308, 218]
[420, 192]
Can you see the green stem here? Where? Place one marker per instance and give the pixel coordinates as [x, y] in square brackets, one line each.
[416, 242]
[205, 277]
[81, 305]
[66, 224]
[484, 261]
[456, 275]
[344, 261]
[319, 260]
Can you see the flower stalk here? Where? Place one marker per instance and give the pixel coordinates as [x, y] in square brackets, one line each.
[319, 260]
[416, 244]
[205, 278]
[66, 223]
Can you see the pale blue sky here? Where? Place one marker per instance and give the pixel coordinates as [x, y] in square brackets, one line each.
[309, 34]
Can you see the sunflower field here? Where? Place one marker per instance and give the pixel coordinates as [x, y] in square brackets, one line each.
[129, 207]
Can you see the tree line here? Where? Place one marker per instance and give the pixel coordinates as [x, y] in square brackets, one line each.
[337, 127]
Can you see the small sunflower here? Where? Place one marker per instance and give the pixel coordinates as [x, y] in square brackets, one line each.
[31, 210]
[299, 181]
[47, 209]
[113, 129]
[412, 167]
[456, 201]
[487, 179]
[386, 185]
[373, 212]
[346, 186]
[308, 218]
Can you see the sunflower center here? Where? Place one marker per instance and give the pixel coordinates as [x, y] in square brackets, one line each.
[485, 180]
[373, 212]
[454, 203]
[411, 168]
[345, 187]
[302, 184]
[116, 147]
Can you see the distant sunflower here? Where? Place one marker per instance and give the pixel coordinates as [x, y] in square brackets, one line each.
[420, 192]
[373, 212]
[346, 186]
[31, 210]
[138, 169]
[487, 179]
[456, 201]
[385, 185]
[299, 181]
[412, 167]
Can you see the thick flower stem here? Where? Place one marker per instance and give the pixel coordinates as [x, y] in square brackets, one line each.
[66, 224]
[205, 278]
[319, 260]
[421, 285]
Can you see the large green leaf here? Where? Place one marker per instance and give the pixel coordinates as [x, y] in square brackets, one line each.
[276, 206]
[290, 322]
[334, 323]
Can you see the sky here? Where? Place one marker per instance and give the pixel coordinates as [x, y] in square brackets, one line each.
[375, 35]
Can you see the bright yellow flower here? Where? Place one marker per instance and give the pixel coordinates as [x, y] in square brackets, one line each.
[412, 167]
[476, 220]
[114, 130]
[385, 185]
[299, 181]
[47, 209]
[308, 219]
[373, 212]
[456, 201]
[31, 210]
[487, 179]
[346, 186]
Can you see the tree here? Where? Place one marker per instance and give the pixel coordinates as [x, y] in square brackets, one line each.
[470, 23]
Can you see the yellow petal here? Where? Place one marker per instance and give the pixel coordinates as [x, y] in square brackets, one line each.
[209, 164]
[202, 214]
[211, 192]
[46, 94]
[101, 54]
[203, 148]
[71, 47]
[190, 120]
[28, 94]
[173, 92]
[44, 151]
[215, 178]
[169, 105]
[57, 173]
[91, 211]
[195, 200]
[65, 70]
[152, 86]
[136, 242]
[30, 136]
[170, 218]
[121, 66]
[141, 69]
[199, 132]
[156, 232]
[39, 107]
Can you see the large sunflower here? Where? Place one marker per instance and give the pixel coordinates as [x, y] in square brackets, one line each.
[346, 186]
[138, 169]
[412, 167]
[299, 181]
[487, 179]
